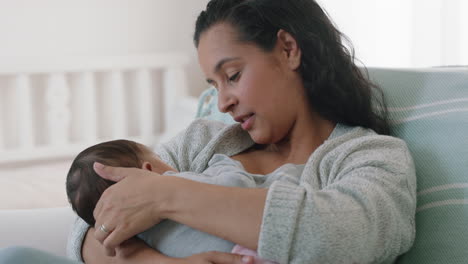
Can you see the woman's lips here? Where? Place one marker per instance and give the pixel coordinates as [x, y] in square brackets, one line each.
[248, 123]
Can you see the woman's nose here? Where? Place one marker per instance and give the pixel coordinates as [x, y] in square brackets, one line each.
[226, 101]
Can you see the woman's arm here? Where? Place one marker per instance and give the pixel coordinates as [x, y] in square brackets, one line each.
[232, 213]
[356, 206]
[143, 198]
[360, 207]
[136, 251]
[133, 251]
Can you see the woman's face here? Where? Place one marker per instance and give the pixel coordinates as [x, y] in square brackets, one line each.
[260, 90]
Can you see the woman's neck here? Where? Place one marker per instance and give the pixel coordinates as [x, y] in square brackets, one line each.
[306, 136]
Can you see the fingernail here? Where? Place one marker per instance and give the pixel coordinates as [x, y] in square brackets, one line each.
[246, 259]
[98, 165]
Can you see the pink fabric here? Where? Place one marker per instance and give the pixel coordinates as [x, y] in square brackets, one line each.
[248, 252]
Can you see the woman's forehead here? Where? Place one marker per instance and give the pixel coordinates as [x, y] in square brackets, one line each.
[222, 32]
[217, 40]
[219, 43]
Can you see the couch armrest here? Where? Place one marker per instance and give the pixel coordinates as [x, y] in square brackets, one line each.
[46, 229]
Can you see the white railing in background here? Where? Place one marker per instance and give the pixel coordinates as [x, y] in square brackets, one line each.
[55, 107]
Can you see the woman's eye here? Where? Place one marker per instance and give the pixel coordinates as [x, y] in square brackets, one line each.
[234, 77]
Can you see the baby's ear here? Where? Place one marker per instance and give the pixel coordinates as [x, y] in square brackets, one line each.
[147, 166]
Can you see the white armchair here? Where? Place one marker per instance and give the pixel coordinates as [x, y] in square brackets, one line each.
[45, 229]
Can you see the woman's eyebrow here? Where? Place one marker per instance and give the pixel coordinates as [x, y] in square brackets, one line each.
[220, 64]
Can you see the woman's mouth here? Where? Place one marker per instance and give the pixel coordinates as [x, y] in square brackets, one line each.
[247, 122]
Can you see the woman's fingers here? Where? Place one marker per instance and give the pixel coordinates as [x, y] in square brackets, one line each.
[127, 207]
[101, 232]
[113, 173]
[101, 238]
[109, 238]
[115, 239]
[110, 235]
[228, 258]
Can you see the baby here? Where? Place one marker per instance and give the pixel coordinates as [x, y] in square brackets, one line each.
[85, 187]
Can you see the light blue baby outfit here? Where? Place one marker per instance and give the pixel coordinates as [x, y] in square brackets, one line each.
[178, 240]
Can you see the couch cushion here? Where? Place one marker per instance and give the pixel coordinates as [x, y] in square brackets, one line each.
[429, 110]
[208, 107]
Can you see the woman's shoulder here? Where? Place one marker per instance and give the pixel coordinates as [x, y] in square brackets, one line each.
[357, 135]
[356, 145]
[206, 127]
[361, 152]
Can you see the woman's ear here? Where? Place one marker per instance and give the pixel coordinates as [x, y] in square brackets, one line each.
[289, 47]
[147, 166]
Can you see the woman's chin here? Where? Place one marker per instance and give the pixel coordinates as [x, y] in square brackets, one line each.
[258, 138]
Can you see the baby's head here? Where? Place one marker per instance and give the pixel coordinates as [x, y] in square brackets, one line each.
[85, 187]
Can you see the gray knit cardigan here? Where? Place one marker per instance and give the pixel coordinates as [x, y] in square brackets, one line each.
[355, 202]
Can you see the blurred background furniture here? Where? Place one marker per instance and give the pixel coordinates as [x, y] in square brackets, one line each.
[51, 108]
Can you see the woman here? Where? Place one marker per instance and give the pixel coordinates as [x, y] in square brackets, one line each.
[282, 72]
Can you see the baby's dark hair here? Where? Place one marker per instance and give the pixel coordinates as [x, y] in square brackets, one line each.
[84, 186]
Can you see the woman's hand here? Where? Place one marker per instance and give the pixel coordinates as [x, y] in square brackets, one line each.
[131, 251]
[128, 207]
[141, 199]
[136, 251]
[213, 257]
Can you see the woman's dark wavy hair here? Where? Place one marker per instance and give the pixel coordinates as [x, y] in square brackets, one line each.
[335, 87]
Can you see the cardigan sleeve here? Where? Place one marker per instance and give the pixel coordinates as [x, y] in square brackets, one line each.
[181, 150]
[356, 205]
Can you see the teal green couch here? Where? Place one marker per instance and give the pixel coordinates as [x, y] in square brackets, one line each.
[429, 110]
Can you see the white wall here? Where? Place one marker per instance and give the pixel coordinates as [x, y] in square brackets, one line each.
[464, 36]
[404, 33]
[100, 27]
[387, 33]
